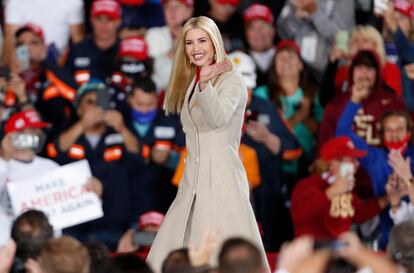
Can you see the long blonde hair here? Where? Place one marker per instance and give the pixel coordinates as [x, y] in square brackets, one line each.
[371, 33]
[183, 71]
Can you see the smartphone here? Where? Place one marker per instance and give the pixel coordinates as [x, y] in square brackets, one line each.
[251, 115]
[380, 6]
[331, 244]
[103, 99]
[22, 55]
[144, 238]
[341, 40]
[346, 169]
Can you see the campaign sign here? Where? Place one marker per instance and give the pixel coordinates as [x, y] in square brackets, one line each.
[60, 193]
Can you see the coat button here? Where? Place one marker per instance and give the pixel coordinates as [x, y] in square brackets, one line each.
[196, 161]
[181, 191]
[194, 192]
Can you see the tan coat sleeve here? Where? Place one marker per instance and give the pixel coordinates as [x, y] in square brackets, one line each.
[219, 103]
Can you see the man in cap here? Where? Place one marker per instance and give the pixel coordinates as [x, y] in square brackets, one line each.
[22, 139]
[61, 21]
[260, 35]
[133, 65]
[324, 206]
[95, 57]
[46, 87]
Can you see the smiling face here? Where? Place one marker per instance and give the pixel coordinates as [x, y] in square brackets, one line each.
[288, 64]
[199, 47]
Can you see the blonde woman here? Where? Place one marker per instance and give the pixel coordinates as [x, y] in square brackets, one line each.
[214, 192]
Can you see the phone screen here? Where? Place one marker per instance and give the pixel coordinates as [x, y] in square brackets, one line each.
[22, 55]
[341, 40]
[103, 99]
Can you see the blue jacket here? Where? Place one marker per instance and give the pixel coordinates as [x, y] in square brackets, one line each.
[375, 162]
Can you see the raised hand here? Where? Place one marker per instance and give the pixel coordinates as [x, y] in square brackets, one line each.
[208, 72]
[401, 166]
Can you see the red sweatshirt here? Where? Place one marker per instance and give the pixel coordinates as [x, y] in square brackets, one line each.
[314, 214]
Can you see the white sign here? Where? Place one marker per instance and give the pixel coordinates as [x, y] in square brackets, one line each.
[61, 194]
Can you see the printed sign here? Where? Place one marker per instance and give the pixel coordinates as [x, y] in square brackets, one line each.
[61, 194]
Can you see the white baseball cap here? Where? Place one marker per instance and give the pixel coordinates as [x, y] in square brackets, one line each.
[245, 65]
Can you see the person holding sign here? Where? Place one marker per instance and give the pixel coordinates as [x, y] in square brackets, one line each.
[22, 139]
[214, 192]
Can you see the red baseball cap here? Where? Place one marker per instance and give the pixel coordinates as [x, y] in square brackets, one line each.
[258, 11]
[339, 147]
[35, 29]
[189, 3]
[24, 120]
[404, 7]
[231, 2]
[135, 47]
[150, 218]
[290, 44]
[110, 8]
[132, 2]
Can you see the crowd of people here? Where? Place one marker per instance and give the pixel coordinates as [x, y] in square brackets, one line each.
[326, 142]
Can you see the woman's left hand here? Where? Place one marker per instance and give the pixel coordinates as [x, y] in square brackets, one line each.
[208, 72]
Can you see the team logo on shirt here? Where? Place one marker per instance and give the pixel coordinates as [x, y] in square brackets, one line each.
[341, 206]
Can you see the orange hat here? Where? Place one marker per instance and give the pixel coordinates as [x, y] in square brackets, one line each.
[135, 47]
[189, 3]
[339, 147]
[24, 120]
[110, 8]
[291, 44]
[150, 218]
[258, 11]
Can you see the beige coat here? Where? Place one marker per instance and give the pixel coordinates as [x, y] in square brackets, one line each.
[214, 191]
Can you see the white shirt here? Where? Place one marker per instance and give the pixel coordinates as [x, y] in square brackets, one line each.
[14, 170]
[404, 212]
[159, 41]
[54, 16]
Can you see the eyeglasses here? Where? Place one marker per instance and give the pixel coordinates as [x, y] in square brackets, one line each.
[89, 101]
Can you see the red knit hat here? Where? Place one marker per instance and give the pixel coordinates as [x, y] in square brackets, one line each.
[258, 11]
[35, 29]
[339, 147]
